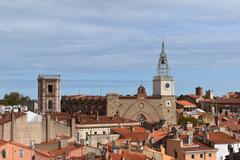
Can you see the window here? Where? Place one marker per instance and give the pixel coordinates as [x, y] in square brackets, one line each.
[95, 132]
[21, 153]
[4, 153]
[193, 156]
[50, 104]
[141, 119]
[104, 132]
[201, 155]
[209, 155]
[50, 88]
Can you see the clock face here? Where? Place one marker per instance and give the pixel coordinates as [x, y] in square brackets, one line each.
[167, 85]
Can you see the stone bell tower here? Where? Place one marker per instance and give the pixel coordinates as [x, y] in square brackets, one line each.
[163, 83]
[49, 93]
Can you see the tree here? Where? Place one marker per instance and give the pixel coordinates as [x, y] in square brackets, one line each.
[183, 121]
[15, 98]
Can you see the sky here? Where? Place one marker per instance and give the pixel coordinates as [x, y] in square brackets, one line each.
[113, 46]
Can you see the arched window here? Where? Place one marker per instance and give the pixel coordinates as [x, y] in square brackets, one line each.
[50, 104]
[141, 119]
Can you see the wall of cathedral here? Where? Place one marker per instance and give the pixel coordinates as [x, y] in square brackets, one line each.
[152, 108]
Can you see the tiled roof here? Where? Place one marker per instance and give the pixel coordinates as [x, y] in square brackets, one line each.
[84, 104]
[228, 101]
[185, 103]
[159, 134]
[91, 119]
[7, 117]
[128, 155]
[196, 145]
[2, 142]
[225, 101]
[59, 151]
[62, 151]
[193, 96]
[44, 153]
[201, 146]
[221, 138]
[135, 134]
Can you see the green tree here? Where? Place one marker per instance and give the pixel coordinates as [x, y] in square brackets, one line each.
[15, 98]
[183, 121]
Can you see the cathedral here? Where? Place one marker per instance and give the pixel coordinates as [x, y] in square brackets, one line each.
[154, 108]
[159, 106]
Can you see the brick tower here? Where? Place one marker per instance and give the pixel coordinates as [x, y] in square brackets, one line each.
[49, 93]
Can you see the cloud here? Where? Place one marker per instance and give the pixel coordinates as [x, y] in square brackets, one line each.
[74, 37]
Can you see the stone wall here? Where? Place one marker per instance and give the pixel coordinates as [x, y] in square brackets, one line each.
[25, 132]
[152, 108]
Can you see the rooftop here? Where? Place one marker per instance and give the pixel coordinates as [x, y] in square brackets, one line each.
[185, 103]
[221, 138]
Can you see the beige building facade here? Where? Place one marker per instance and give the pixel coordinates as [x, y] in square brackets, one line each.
[142, 107]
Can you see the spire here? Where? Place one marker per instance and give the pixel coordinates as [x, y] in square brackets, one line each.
[163, 69]
[163, 49]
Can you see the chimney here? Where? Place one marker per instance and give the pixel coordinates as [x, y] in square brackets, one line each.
[12, 125]
[62, 143]
[189, 125]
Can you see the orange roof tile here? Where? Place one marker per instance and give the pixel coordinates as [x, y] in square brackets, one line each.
[159, 134]
[221, 138]
[134, 134]
[2, 142]
[61, 151]
[128, 155]
[185, 103]
[193, 96]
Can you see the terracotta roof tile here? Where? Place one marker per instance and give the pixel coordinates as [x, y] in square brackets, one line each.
[138, 134]
[193, 96]
[61, 151]
[2, 142]
[159, 134]
[185, 103]
[221, 138]
[128, 155]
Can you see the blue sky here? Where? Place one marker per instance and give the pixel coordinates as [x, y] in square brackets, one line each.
[111, 46]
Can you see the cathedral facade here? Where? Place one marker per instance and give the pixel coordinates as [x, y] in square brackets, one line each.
[159, 106]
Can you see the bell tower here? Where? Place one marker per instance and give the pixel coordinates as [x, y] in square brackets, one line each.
[163, 83]
[49, 93]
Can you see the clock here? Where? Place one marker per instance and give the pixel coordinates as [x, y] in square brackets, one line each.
[167, 85]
